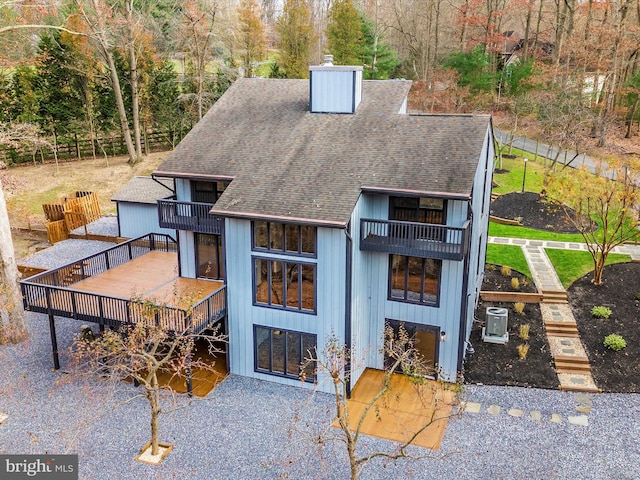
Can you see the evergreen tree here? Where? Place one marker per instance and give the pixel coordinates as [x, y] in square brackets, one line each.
[60, 85]
[252, 41]
[379, 60]
[24, 95]
[296, 39]
[475, 69]
[344, 33]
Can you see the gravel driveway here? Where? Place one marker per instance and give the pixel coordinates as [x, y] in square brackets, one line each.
[245, 429]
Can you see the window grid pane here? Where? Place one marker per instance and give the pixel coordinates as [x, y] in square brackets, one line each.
[414, 279]
[286, 285]
[284, 238]
[282, 352]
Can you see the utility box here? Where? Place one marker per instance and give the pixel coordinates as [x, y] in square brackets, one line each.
[495, 330]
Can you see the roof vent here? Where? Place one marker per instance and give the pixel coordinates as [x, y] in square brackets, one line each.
[334, 88]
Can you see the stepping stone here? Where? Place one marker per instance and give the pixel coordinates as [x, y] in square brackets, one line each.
[3, 417]
[577, 380]
[581, 420]
[556, 418]
[519, 241]
[583, 408]
[514, 412]
[471, 407]
[568, 351]
[535, 243]
[565, 342]
[494, 409]
[535, 415]
[584, 398]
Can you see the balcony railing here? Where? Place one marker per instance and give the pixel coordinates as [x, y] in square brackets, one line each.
[192, 216]
[414, 239]
[52, 292]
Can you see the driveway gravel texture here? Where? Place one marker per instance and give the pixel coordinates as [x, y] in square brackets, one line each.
[247, 429]
[252, 429]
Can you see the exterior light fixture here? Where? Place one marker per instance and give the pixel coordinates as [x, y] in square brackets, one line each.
[443, 336]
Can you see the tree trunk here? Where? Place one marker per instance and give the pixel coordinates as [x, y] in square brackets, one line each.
[353, 462]
[632, 114]
[13, 326]
[133, 72]
[122, 113]
[153, 392]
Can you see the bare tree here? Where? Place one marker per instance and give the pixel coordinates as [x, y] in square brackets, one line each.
[437, 401]
[611, 198]
[13, 325]
[143, 352]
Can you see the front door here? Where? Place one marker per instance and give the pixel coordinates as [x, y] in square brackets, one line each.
[425, 341]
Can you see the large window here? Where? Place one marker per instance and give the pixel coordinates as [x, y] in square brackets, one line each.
[207, 192]
[283, 284]
[414, 279]
[284, 238]
[209, 256]
[283, 353]
[414, 209]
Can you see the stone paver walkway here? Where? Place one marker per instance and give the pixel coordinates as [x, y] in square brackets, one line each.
[582, 400]
[571, 361]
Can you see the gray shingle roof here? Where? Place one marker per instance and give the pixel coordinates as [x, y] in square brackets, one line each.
[288, 162]
[144, 190]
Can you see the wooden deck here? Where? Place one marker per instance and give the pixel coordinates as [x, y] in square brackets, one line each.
[403, 410]
[153, 277]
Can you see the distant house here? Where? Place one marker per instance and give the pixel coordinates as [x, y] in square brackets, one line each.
[137, 206]
[325, 208]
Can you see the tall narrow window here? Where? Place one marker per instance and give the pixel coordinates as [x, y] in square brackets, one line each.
[284, 353]
[209, 256]
[414, 279]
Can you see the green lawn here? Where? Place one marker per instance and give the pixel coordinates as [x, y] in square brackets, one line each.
[514, 231]
[571, 265]
[510, 255]
[511, 181]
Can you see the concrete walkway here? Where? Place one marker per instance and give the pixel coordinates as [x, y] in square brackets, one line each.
[571, 361]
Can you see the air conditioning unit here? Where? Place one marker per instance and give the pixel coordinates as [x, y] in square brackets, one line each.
[495, 330]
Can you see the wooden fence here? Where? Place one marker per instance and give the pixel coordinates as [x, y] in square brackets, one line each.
[69, 213]
[79, 147]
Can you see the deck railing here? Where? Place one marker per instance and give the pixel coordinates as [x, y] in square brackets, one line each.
[191, 216]
[51, 292]
[414, 239]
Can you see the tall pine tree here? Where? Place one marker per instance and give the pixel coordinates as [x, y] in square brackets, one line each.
[344, 33]
[296, 39]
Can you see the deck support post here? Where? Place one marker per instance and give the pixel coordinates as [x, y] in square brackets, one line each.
[54, 342]
[189, 378]
[101, 326]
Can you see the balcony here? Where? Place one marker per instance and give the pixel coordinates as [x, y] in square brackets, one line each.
[191, 216]
[414, 239]
[115, 287]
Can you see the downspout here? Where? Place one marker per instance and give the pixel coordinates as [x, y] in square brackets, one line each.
[347, 306]
[462, 334]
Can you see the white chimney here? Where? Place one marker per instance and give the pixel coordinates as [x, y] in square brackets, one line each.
[334, 88]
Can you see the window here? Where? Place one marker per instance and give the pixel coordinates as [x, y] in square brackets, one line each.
[414, 279]
[414, 209]
[283, 284]
[284, 238]
[207, 192]
[282, 352]
[209, 256]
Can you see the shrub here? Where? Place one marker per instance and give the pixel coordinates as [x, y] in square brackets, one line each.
[524, 331]
[601, 312]
[519, 307]
[638, 296]
[515, 283]
[505, 270]
[489, 267]
[614, 342]
[523, 349]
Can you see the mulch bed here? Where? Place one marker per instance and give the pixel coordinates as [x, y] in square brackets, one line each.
[494, 364]
[612, 371]
[532, 211]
